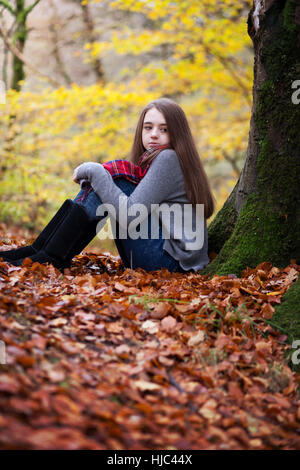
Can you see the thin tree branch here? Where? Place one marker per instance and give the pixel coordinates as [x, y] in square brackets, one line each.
[233, 163]
[29, 9]
[8, 7]
[56, 50]
[92, 38]
[232, 72]
[20, 56]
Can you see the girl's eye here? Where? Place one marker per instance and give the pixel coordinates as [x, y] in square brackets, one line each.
[163, 129]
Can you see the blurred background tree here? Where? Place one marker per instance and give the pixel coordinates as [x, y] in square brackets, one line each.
[89, 67]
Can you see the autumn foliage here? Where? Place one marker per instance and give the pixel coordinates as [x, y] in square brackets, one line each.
[197, 53]
[102, 357]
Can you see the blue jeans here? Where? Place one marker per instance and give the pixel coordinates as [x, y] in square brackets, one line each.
[140, 253]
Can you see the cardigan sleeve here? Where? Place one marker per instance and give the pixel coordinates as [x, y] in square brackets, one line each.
[158, 185]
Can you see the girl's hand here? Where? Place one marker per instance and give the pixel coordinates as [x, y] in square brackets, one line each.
[86, 171]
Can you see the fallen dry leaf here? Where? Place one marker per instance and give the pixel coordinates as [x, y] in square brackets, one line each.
[193, 363]
[168, 324]
[146, 386]
[197, 338]
[150, 326]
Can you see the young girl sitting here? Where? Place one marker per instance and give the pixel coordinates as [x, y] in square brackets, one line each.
[163, 177]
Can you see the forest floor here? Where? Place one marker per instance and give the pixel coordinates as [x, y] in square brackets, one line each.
[102, 357]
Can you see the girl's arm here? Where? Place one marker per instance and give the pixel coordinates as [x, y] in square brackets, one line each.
[163, 182]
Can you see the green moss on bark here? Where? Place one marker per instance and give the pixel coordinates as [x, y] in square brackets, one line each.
[287, 316]
[261, 234]
[268, 226]
[289, 15]
[221, 228]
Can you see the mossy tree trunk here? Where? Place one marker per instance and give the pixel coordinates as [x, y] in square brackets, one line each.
[260, 221]
[91, 36]
[20, 13]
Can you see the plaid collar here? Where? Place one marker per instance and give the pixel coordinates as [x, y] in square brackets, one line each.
[130, 170]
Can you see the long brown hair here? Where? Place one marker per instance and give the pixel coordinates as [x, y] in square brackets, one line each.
[181, 140]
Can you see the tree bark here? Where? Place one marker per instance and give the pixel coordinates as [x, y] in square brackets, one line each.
[53, 27]
[260, 221]
[19, 39]
[92, 37]
[264, 207]
[20, 13]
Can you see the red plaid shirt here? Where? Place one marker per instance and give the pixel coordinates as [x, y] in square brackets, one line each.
[130, 170]
[127, 169]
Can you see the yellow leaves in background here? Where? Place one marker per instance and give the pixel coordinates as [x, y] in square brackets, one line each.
[98, 49]
[195, 52]
[55, 131]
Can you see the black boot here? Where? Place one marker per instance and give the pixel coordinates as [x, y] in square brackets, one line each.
[72, 235]
[41, 240]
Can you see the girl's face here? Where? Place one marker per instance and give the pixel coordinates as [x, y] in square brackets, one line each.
[155, 131]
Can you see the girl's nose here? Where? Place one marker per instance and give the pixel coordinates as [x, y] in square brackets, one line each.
[154, 132]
